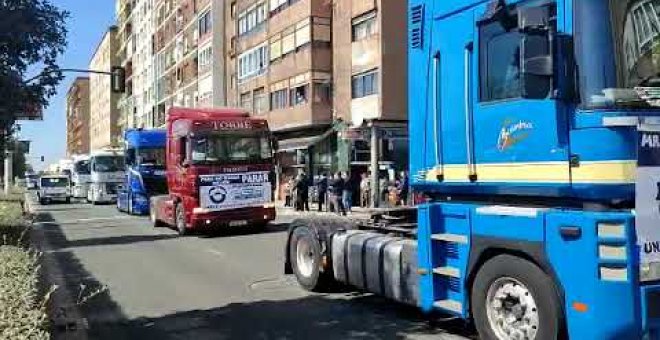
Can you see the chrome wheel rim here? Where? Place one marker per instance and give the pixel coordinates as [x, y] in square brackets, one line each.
[305, 258]
[511, 310]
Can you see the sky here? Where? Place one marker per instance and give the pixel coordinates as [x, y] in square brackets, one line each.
[88, 20]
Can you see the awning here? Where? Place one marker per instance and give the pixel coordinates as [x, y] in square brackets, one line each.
[293, 144]
[302, 143]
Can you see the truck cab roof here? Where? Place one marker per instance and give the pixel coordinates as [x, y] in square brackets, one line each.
[177, 113]
[145, 137]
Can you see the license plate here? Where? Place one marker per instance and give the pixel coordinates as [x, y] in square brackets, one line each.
[238, 223]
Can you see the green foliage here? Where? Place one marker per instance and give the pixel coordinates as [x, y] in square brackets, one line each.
[32, 34]
[22, 315]
[13, 227]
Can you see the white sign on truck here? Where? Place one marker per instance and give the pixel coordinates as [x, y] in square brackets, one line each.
[648, 195]
[233, 191]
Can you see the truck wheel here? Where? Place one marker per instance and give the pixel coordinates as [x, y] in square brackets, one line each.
[68, 200]
[511, 299]
[180, 218]
[305, 255]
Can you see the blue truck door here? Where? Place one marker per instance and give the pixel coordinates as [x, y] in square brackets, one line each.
[516, 140]
[452, 36]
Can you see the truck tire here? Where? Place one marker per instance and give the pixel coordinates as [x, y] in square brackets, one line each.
[512, 298]
[68, 200]
[180, 220]
[306, 260]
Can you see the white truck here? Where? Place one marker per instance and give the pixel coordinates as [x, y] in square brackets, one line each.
[54, 187]
[80, 176]
[106, 176]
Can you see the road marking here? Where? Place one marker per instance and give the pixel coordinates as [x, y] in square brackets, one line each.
[85, 220]
[216, 252]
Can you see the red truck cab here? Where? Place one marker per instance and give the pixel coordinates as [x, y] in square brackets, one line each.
[220, 171]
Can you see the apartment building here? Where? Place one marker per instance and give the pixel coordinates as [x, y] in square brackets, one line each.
[104, 129]
[77, 117]
[370, 77]
[279, 63]
[188, 47]
[135, 21]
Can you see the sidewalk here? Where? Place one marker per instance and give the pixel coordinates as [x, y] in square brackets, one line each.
[358, 212]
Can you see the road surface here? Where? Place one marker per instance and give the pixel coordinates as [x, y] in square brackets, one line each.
[131, 281]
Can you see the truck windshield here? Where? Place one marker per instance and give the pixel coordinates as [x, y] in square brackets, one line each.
[230, 148]
[82, 167]
[618, 53]
[108, 164]
[151, 156]
[52, 182]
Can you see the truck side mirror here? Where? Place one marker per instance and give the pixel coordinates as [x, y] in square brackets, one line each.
[536, 52]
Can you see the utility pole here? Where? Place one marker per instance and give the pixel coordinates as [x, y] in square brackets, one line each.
[9, 162]
[375, 156]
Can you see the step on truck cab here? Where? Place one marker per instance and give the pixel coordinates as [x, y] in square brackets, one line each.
[80, 176]
[535, 141]
[220, 171]
[106, 175]
[144, 151]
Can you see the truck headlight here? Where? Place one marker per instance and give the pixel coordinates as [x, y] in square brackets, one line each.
[649, 271]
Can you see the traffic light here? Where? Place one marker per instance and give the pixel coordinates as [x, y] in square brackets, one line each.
[118, 82]
[43, 159]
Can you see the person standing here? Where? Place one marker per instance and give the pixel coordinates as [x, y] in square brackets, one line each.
[404, 189]
[347, 193]
[336, 188]
[288, 187]
[302, 193]
[322, 190]
[365, 190]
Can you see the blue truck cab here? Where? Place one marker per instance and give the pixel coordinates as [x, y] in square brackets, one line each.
[145, 170]
[536, 134]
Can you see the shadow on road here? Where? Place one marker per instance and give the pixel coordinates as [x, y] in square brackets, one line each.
[80, 299]
[331, 316]
[314, 317]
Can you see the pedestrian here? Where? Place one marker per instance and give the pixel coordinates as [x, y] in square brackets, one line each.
[302, 193]
[288, 187]
[403, 188]
[384, 188]
[365, 190]
[322, 190]
[336, 188]
[347, 193]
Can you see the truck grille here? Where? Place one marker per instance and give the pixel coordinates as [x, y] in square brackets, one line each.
[111, 188]
[155, 185]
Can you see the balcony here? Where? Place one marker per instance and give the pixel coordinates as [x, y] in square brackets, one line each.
[300, 116]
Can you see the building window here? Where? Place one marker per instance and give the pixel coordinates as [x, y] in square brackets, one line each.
[253, 62]
[299, 95]
[205, 57]
[278, 99]
[251, 18]
[365, 84]
[260, 101]
[322, 93]
[246, 101]
[364, 26]
[499, 62]
[205, 23]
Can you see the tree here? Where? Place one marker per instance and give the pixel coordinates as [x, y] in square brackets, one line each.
[32, 35]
